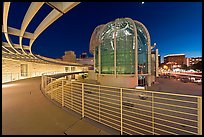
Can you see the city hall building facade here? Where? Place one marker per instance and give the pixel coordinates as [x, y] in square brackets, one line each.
[122, 54]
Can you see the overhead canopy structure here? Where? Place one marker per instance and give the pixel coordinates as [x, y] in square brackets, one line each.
[24, 52]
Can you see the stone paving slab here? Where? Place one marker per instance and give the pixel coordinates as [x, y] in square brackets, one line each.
[84, 128]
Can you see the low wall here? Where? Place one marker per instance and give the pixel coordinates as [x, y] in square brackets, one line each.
[11, 69]
[119, 81]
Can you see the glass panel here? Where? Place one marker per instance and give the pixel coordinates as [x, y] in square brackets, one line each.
[125, 52]
[107, 50]
[142, 50]
[96, 60]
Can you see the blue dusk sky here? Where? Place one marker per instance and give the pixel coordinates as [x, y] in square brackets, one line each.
[176, 27]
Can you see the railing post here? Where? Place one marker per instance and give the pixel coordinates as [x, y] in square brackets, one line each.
[62, 93]
[71, 97]
[152, 113]
[82, 100]
[42, 82]
[99, 103]
[121, 111]
[199, 115]
[51, 89]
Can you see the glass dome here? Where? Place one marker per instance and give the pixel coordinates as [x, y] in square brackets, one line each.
[120, 46]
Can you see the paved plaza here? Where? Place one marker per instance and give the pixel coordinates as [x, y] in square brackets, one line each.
[171, 85]
[26, 111]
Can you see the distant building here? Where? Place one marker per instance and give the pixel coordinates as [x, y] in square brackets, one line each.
[174, 60]
[159, 60]
[83, 55]
[69, 56]
[192, 61]
[86, 61]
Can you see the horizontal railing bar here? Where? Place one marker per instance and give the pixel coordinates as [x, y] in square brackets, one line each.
[137, 118]
[91, 108]
[138, 123]
[110, 95]
[136, 127]
[76, 101]
[76, 82]
[109, 102]
[175, 117]
[76, 107]
[68, 98]
[135, 93]
[103, 113]
[110, 118]
[137, 113]
[88, 112]
[91, 102]
[110, 110]
[67, 105]
[176, 100]
[175, 128]
[132, 131]
[76, 89]
[110, 125]
[87, 94]
[108, 122]
[172, 133]
[138, 99]
[175, 122]
[91, 84]
[90, 88]
[139, 109]
[91, 98]
[172, 94]
[175, 105]
[76, 110]
[76, 93]
[110, 98]
[109, 106]
[79, 98]
[175, 111]
[104, 90]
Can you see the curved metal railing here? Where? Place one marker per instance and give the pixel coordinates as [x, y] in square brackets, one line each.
[129, 111]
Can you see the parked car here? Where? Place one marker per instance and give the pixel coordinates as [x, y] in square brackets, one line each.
[185, 80]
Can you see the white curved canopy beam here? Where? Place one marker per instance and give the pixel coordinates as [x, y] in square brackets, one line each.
[5, 27]
[16, 32]
[17, 46]
[6, 49]
[32, 10]
[50, 18]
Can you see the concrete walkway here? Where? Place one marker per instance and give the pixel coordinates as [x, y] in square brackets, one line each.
[176, 87]
[26, 111]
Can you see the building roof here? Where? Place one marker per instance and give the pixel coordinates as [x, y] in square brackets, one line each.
[174, 55]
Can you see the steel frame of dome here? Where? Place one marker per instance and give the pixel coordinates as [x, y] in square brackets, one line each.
[94, 41]
[11, 50]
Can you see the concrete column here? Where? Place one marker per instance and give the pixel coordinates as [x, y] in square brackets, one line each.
[115, 49]
[136, 54]
[149, 65]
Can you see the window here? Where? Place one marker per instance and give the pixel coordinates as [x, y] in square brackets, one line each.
[66, 69]
[24, 70]
[72, 69]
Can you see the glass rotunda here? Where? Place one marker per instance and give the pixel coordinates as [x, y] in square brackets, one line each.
[121, 48]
